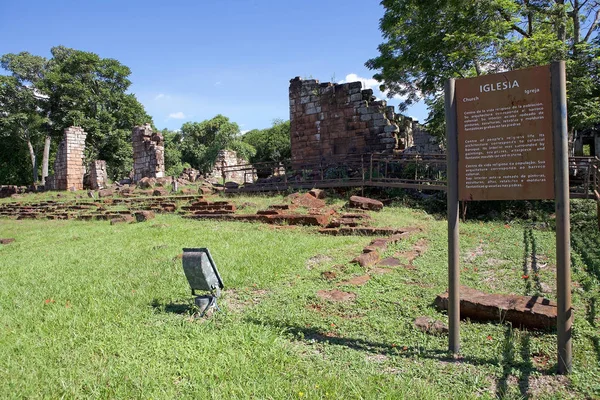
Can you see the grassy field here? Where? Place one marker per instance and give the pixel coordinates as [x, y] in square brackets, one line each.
[93, 310]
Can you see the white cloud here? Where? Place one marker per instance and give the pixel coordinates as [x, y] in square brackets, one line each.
[244, 132]
[162, 96]
[177, 115]
[368, 83]
[217, 83]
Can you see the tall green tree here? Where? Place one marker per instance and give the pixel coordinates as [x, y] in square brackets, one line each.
[202, 142]
[271, 144]
[22, 119]
[427, 42]
[89, 91]
[173, 164]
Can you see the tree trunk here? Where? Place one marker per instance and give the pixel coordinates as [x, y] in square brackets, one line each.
[571, 141]
[561, 30]
[576, 25]
[33, 162]
[45, 158]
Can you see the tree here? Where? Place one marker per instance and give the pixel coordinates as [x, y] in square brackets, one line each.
[271, 144]
[427, 42]
[89, 91]
[21, 107]
[173, 164]
[202, 142]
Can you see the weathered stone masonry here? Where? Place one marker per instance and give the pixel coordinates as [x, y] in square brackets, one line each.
[330, 119]
[98, 178]
[68, 165]
[228, 158]
[338, 119]
[148, 153]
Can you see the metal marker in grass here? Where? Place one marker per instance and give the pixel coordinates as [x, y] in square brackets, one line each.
[202, 274]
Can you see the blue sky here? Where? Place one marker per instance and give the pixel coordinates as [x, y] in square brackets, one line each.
[191, 60]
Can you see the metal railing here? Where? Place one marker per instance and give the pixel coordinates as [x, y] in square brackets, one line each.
[413, 171]
[418, 171]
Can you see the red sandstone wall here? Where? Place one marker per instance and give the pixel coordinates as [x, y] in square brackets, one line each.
[338, 119]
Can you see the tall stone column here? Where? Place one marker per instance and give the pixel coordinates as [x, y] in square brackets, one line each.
[68, 165]
[148, 153]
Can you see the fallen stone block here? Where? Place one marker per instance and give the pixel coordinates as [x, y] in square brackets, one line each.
[317, 193]
[430, 325]
[141, 216]
[306, 200]
[532, 312]
[367, 259]
[205, 190]
[146, 183]
[105, 193]
[365, 203]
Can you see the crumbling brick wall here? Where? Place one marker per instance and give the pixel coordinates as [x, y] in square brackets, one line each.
[68, 165]
[416, 139]
[148, 153]
[98, 178]
[328, 120]
[338, 119]
[227, 158]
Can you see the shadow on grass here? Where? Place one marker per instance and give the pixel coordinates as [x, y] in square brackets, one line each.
[507, 361]
[591, 311]
[174, 308]
[530, 259]
[596, 345]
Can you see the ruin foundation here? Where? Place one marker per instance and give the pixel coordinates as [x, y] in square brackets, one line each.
[68, 165]
[148, 153]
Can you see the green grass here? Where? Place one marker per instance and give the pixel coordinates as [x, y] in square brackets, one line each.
[90, 310]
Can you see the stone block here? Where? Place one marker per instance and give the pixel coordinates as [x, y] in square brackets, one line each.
[532, 312]
[365, 203]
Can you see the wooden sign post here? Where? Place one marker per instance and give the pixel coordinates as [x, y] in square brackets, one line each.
[507, 140]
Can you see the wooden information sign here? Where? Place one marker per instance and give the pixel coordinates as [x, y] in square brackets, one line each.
[505, 139]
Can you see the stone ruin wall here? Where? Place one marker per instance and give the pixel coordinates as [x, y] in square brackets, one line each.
[98, 178]
[417, 140]
[328, 120]
[148, 153]
[227, 158]
[68, 165]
